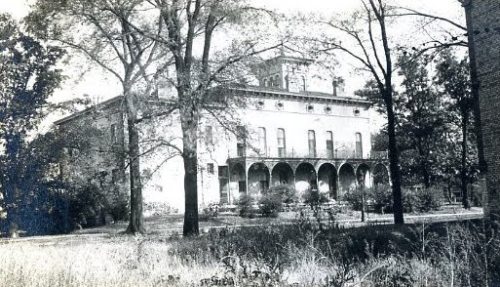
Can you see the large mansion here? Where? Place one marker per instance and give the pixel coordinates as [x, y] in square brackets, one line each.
[285, 134]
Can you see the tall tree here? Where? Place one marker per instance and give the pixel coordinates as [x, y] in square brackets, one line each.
[421, 121]
[28, 76]
[105, 32]
[458, 35]
[454, 77]
[188, 25]
[367, 30]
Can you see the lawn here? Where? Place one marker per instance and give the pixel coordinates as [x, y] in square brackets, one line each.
[264, 254]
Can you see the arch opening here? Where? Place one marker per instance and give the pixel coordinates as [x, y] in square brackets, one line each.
[282, 174]
[327, 180]
[305, 178]
[347, 178]
[258, 179]
[363, 176]
[380, 175]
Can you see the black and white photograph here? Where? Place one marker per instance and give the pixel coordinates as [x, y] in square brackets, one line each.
[249, 143]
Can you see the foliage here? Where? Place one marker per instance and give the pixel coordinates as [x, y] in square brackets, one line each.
[354, 197]
[314, 198]
[210, 211]
[287, 193]
[246, 206]
[421, 122]
[28, 76]
[381, 195]
[270, 204]
[423, 199]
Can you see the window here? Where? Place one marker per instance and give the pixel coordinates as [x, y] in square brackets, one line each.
[262, 141]
[265, 83]
[277, 81]
[281, 143]
[240, 140]
[312, 143]
[329, 144]
[209, 136]
[224, 184]
[287, 82]
[310, 108]
[114, 134]
[304, 83]
[359, 146]
[210, 168]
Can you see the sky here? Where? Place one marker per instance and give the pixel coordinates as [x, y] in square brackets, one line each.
[101, 86]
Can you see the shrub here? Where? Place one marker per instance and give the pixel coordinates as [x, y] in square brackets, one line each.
[381, 195]
[158, 209]
[314, 198]
[270, 204]
[245, 206]
[355, 198]
[211, 211]
[287, 192]
[427, 199]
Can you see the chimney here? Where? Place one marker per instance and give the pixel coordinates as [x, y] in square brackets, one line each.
[337, 83]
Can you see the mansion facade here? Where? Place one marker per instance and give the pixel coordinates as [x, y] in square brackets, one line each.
[285, 135]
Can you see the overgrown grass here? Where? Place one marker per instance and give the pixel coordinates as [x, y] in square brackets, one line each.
[457, 254]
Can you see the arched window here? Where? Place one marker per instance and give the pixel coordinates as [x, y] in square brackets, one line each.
[312, 143]
[281, 143]
[329, 144]
[262, 141]
[359, 146]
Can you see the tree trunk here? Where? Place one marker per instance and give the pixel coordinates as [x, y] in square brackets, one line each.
[394, 160]
[424, 159]
[189, 123]
[463, 171]
[136, 223]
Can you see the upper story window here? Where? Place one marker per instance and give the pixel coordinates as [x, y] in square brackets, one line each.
[312, 143]
[114, 134]
[262, 141]
[209, 137]
[329, 144]
[287, 82]
[281, 143]
[359, 146]
[304, 86]
[210, 168]
[241, 140]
